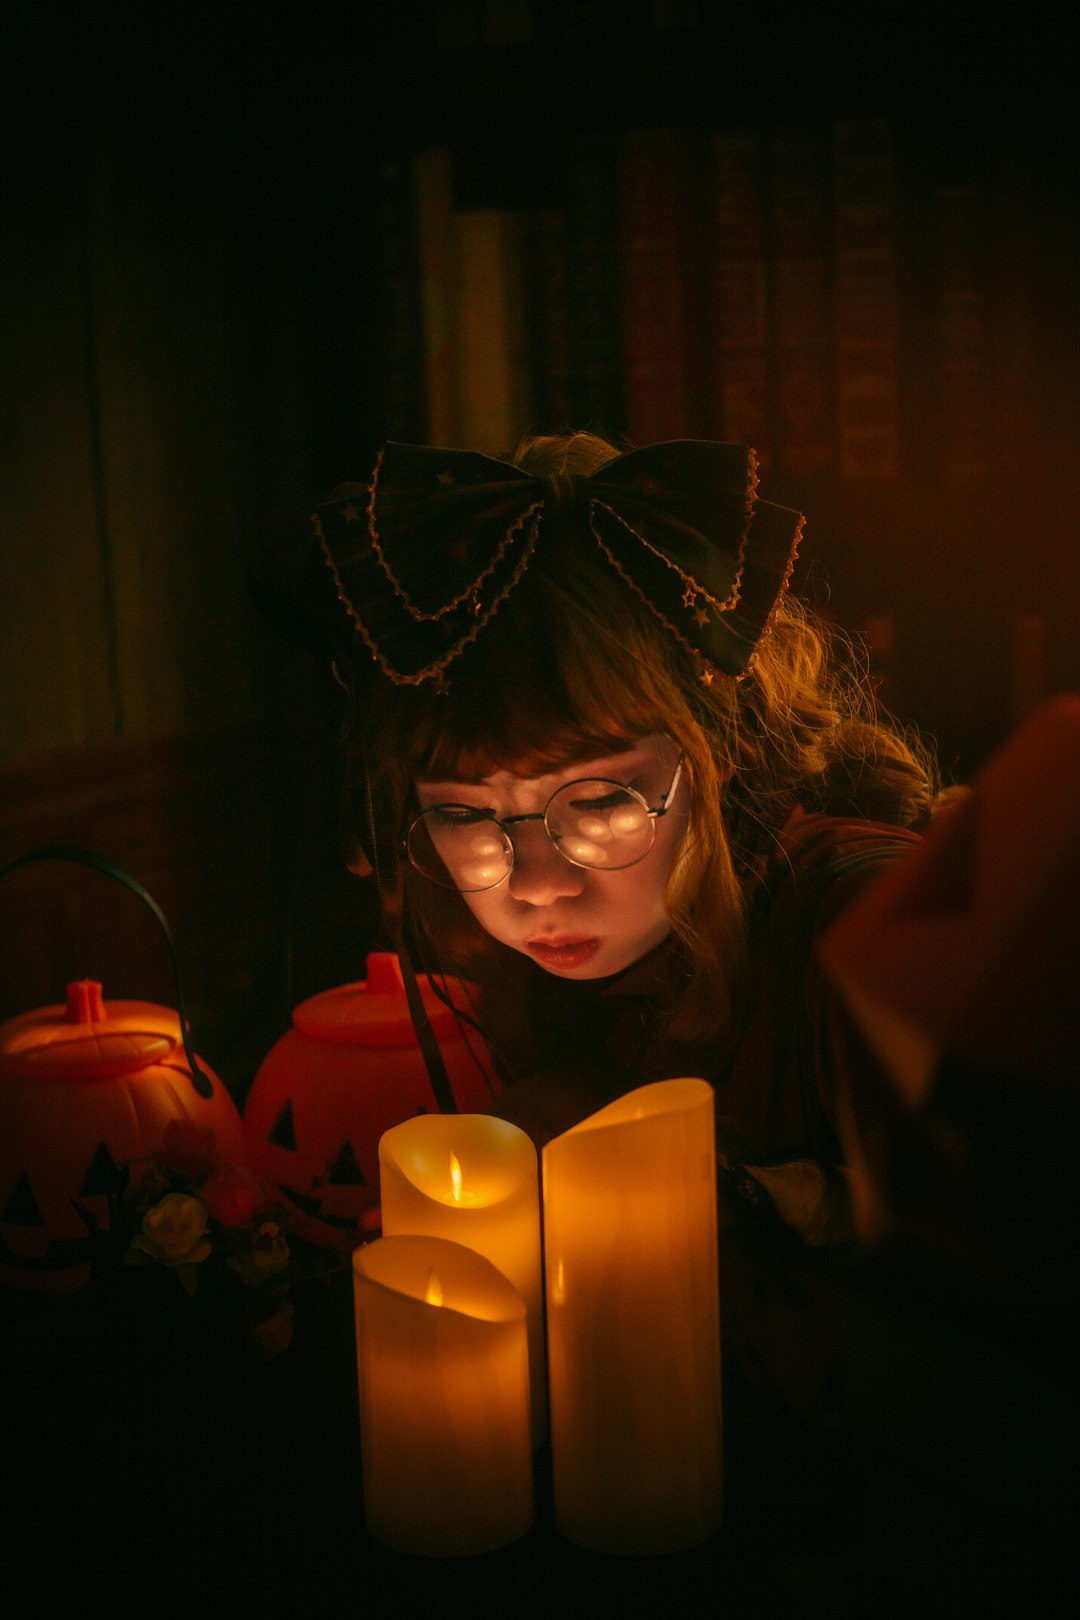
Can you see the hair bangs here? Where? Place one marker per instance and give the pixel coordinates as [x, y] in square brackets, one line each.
[529, 700]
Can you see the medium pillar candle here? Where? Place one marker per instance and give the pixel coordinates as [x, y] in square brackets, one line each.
[473, 1180]
[633, 1321]
[443, 1367]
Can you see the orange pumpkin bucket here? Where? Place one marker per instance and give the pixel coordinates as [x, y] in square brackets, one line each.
[349, 1069]
[85, 1087]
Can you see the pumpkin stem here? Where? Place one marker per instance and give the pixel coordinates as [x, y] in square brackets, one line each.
[84, 1002]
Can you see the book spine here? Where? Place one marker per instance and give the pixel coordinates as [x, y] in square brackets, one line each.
[867, 339]
[400, 323]
[962, 443]
[495, 384]
[1018, 394]
[434, 189]
[548, 303]
[1030, 665]
[595, 323]
[654, 267]
[736, 292]
[800, 299]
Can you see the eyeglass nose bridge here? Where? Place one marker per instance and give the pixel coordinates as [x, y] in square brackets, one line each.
[504, 823]
[509, 821]
[654, 813]
[558, 841]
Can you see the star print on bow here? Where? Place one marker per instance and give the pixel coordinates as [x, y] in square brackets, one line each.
[448, 534]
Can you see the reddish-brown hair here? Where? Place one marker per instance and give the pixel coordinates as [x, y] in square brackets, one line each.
[573, 666]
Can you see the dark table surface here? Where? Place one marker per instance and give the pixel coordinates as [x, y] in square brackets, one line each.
[148, 1468]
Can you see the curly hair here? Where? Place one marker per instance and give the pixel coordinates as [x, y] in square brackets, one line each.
[573, 666]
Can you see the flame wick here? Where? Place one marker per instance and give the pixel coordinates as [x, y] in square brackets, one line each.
[455, 1179]
[433, 1294]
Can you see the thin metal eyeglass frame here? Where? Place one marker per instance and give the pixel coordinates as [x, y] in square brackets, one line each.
[654, 812]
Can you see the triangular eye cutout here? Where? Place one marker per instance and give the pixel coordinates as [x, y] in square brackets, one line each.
[345, 1172]
[21, 1208]
[104, 1176]
[283, 1134]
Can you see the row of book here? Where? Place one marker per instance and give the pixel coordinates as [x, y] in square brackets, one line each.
[758, 285]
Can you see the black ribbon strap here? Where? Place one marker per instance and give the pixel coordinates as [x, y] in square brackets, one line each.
[386, 873]
[100, 863]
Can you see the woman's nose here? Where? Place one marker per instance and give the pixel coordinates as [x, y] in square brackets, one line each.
[540, 875]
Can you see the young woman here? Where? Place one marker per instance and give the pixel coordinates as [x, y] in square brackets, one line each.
[614, 778]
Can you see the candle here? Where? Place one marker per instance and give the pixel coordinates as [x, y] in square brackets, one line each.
[474, 1180]
[443, 1368]
[633, 1322]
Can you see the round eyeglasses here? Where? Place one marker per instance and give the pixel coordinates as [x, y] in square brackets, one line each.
[601, 825]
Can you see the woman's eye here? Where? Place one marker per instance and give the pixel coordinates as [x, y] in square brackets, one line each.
[458, 815]
[609, 799]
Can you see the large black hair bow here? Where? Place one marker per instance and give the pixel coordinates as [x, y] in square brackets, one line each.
[425, 557]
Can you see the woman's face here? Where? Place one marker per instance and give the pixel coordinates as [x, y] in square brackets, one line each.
[576, 922]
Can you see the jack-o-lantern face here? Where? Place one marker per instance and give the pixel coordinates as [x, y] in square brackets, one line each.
[348, 1070]
[340, 1195]
[84, 1089]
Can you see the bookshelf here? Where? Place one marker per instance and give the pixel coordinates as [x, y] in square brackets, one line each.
[841, 246]
[214, 314]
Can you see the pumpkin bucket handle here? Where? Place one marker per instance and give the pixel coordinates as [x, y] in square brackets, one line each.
[100, 863]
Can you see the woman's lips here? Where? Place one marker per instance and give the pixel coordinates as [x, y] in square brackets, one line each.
[562, 953]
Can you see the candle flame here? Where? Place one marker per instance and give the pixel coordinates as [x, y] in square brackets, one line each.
[434, 1293]
[455, 1178]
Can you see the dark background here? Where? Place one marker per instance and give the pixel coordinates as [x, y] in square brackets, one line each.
[195, 351]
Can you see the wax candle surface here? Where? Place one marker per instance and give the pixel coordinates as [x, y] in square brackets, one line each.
[634, 1322]
[474, 1180]
[442, 1362]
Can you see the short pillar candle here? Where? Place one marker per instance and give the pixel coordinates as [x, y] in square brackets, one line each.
[442, 1362]
[633, 1322]
[473, 1180]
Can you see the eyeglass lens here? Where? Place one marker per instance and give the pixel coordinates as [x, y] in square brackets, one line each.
[596, 824]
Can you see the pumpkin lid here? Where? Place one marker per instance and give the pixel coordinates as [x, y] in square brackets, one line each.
[373, 1011]
[83, 1039]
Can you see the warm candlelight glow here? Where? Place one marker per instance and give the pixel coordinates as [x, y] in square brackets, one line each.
[455, 1178]
[444, 1398]
[633, 1322]
[492, 1206]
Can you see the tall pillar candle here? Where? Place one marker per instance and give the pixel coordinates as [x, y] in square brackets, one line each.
[474, 1180]
[633, 1321]
[443, 1368]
